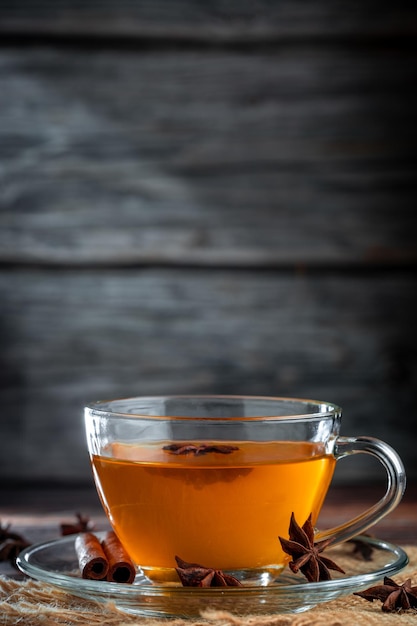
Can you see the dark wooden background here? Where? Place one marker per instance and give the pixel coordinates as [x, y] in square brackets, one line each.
[205, 197]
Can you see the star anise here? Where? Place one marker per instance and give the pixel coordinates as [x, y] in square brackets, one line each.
[11, 544]
[362, 548]
[184, 448]
[5, 533]
[306, 555]
[393, 596]
[82, 525]
[10, 548]
[195, 575]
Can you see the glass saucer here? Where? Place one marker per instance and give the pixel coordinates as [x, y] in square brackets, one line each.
[55, 562]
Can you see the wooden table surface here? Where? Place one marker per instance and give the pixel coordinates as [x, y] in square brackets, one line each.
[38, 513]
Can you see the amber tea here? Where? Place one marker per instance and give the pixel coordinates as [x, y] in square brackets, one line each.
[215, 480]
[225, 509]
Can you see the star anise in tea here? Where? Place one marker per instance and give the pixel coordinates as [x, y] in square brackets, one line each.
[184, 448]
[393, 596]
[195, 575]
[82, 525]
[11, 544]
[306, 555]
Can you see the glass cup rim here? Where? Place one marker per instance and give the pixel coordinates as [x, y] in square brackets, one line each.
[107, 408]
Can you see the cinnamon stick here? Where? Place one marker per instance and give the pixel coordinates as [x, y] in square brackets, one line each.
[91, 558]
[121, 569]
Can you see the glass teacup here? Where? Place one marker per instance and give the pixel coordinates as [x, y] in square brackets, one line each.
[215, 479]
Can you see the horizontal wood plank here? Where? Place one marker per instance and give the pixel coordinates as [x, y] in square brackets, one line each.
[276, 159]
[211, 20]
[171, 173]
[69, 338]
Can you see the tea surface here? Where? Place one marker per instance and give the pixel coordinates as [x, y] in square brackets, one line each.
[221, 510]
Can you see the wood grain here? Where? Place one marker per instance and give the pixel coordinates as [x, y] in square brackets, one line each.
[205, 197]
[72, 337]
[211, 21]
[207, 159]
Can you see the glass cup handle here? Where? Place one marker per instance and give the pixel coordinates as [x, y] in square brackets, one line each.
[389, 458]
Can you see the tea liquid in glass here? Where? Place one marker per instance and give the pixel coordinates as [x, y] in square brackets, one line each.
[224, 511]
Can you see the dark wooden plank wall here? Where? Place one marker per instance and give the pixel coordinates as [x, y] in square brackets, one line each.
[205, 197]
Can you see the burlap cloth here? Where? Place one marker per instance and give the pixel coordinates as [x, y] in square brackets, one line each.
[31, 603]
